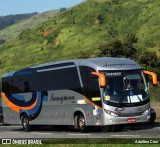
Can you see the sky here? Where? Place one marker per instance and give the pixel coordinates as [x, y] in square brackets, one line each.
[8, 7]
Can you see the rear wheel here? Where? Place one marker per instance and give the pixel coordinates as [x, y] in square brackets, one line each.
[81, 123]
[25, 122]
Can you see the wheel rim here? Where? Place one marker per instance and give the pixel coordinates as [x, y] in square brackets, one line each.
[25, 123]
[81, 122]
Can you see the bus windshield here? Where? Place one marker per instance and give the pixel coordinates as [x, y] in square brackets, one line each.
[125, 87]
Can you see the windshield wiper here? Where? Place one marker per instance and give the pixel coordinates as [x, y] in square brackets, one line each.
[138, 96]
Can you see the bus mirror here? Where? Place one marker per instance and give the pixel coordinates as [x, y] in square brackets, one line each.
[153, 75]
[102, 78]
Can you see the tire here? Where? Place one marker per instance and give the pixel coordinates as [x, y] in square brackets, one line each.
[81, 123]
[152, 117]
[25, 123]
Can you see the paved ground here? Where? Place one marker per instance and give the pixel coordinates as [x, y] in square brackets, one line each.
[58, 132]
[139, 131]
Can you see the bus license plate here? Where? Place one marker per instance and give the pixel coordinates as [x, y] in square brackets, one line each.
[131, 120]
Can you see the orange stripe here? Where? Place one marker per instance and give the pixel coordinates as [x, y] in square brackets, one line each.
[15, 107]
[92, 103]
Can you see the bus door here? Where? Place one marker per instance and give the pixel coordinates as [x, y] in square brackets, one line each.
[96, 101]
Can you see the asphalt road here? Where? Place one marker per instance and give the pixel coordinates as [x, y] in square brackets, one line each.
[59, 132]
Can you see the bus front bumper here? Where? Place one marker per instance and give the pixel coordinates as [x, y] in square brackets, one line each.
[113, 120]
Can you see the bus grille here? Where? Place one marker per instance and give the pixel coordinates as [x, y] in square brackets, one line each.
[129, 114]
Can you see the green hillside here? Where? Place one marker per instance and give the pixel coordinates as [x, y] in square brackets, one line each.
[81, 30]
[14, 30]
[6, 21]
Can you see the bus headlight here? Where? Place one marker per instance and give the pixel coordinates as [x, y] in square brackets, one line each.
[110, 112]
[146, 112]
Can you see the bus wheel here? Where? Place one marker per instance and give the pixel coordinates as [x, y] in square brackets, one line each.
[25, 122]
[152, 117]
[82, 123]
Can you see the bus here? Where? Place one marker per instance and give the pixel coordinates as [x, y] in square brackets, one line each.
[83, 92]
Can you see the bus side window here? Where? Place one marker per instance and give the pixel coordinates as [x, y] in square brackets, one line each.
[95, 91]
[17, 85]
[27, 86]
[6, 85]
[85, 76]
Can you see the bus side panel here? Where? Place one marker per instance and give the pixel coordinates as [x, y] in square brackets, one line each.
[59, 107]
[14, 105]
[58, 94]
[9, 116]
[50, 115]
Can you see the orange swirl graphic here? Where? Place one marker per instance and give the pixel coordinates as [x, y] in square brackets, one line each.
[15, 107]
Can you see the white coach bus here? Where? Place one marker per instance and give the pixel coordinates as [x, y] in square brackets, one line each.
[83, 92]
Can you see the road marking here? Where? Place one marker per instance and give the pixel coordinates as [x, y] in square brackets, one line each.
[30, 133]
[39, 133]
[2, 126]
[11, 132]
[126, 135]
[80, 134]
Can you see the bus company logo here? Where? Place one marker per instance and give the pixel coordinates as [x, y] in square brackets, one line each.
[119, 109]
[62, 98]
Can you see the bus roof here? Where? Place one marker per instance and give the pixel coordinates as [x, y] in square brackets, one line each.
[109, 63]
[103, 63]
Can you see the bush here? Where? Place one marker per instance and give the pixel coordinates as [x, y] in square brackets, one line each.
[117, 48]
[112, 49]
[149, 58]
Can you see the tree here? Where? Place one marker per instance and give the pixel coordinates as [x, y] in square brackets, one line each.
[128, 51]
[148, 58]
[112, 49]
[116, 48]
[131, 39]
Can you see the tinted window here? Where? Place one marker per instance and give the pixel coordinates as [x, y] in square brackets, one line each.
[19, 84]
[42, 81]
[90, 84]
[58, 79]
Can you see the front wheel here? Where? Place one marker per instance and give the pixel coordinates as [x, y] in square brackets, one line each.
[25, 122]
[81, 123]
[153, 116]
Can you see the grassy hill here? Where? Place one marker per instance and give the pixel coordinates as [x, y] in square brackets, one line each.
[9, 20]
[83, 29]
[13, 31]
